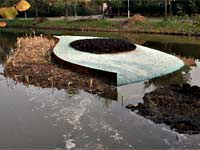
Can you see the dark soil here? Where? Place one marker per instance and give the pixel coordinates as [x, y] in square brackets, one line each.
[103, 46]
[177, 106]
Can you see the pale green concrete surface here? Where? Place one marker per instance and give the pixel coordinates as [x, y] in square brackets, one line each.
[134, 66]
[198, 64]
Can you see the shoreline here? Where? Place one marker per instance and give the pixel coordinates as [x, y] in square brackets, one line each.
[159, 27]
[108, 30]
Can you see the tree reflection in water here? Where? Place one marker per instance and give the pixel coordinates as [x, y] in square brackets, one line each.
[6, 45]
[175, 105]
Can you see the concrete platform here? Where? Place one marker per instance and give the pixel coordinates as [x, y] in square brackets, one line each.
[134, 66]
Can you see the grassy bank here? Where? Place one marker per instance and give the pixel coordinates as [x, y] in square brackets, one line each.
[64, 24]
[175, 27]
[170, 26]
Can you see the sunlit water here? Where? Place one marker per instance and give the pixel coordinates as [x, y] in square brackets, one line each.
[42, 118]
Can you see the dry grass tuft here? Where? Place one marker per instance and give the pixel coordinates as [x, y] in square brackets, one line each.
[31, 63]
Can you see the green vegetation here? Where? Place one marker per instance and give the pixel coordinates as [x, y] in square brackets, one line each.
[170, 26]
[173, 26]
[92, 24]
[64, 24]
[53, 8]
[187, 22]
[19, 22]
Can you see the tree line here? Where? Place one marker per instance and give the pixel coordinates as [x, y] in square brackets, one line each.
[53, 8]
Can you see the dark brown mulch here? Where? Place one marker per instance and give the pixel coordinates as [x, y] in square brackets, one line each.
[103, 46]
[177, 106]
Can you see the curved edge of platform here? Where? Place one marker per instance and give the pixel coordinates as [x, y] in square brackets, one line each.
[180, 64]
[121, 79]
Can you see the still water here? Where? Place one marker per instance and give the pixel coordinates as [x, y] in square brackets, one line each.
[48, 118]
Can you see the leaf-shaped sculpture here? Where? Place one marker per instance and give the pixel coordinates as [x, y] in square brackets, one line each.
[8, 12]
[3, 24]
[22, 5]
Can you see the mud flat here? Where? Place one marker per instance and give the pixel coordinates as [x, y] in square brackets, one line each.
[177, 106]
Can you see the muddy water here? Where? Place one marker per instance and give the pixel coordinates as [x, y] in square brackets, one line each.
[44, 118]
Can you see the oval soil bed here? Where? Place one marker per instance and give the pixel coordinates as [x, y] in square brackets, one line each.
[103, 46]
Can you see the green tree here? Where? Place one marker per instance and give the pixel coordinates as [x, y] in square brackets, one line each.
[116, 4]
[192, 6]
[65, 4]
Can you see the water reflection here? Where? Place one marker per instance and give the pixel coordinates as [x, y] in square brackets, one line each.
[7, 44]
[52, 76]
[186, 50]
[29, 74]
[46, 117]
[180, 77]
[189, 52]
[174, 101]
[37, 67]
[174, 105]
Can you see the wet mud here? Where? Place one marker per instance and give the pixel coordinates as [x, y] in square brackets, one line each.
[177, 106]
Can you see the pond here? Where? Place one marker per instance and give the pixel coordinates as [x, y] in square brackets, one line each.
[47, 118]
